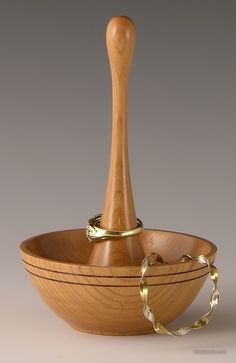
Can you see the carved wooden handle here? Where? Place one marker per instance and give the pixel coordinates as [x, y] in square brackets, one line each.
[118, 210]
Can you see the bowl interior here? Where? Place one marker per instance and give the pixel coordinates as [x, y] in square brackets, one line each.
[72, 246]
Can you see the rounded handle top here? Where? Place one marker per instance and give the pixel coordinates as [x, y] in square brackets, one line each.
[120, 39]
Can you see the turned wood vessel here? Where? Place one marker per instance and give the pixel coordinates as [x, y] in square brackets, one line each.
[105, 299]
[95, 286]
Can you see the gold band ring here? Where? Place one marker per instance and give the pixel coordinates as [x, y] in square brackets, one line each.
[150, 260]
[94, 232]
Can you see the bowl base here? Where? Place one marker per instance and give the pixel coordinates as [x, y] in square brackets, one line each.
[112, 333]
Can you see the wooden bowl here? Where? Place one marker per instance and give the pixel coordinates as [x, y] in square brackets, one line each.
[105, 299]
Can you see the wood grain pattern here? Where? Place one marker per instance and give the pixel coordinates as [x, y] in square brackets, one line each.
[122, 281]
[67, 251]
[119, 211]
[105, 299]
[115, 310]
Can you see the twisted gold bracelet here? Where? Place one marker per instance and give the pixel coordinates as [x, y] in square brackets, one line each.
[147, 311]
[95, 233]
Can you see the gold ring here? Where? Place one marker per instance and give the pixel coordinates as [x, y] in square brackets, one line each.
[94, 232]
[151, 259]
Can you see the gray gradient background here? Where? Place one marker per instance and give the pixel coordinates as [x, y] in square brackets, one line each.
[55, 118]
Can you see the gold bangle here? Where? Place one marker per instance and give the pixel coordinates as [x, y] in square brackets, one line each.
[94, 232]
[147, 311]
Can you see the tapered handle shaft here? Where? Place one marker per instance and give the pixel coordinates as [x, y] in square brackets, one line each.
[118, 210]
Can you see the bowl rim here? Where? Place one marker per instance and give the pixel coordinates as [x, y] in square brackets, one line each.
[91, 270]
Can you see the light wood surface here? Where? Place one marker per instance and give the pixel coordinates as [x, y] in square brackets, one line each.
[67, 251]
[115, 310]
[118, 210]
[122, 281]
[105, 299]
